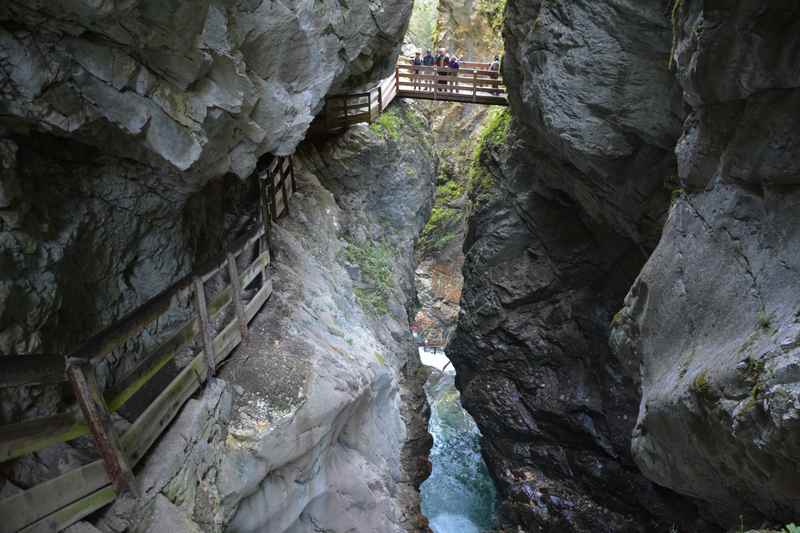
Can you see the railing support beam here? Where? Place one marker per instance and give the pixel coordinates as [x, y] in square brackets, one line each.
[236, 285]
[82, 377]
[205, 326]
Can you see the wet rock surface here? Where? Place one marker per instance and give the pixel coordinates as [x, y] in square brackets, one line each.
[690, 419]
[325, 425]
[573, 202]
[713, 318]
[205, 87]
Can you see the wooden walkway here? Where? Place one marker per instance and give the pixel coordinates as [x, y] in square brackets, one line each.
[62, 501]
[473, 83]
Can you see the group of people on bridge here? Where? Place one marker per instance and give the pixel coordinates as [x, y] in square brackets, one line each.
[443, 65]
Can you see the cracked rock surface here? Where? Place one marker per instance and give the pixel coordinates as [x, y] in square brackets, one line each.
[203, 87]
[576, 201]
[322, 419]
[713, 319]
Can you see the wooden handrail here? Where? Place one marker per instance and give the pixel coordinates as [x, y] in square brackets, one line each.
[60, 502]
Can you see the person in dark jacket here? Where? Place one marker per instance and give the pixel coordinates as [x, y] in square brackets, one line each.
[417, 62]
[428, 61]
[442, 64]
[454, 66]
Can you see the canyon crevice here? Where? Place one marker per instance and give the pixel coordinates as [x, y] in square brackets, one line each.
[607, 144]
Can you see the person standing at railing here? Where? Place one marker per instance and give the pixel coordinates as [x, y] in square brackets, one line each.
[454, 66]
[428, 61]
[495, 73]
[417, 62]
[442, 64]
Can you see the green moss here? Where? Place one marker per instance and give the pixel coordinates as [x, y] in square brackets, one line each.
[764, 320]
[380, 359]
[494, 13]
[494, 133]
[701, 386]
[676, 195]
[388, 124]
[374, 260]
[441, 229]
[676, 11]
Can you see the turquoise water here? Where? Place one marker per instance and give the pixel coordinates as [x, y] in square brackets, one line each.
[459, 496]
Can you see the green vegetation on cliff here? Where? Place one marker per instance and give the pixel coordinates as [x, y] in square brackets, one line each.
[494, 12]
[492, 135]
[374, 260]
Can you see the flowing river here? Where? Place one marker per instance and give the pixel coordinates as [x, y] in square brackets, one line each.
[459, 496]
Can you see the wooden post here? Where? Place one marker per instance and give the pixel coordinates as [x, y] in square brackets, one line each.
[205, 326]
[82, 377]
[272, 194]
[284, 172]
[236, 286]
[380, 99]
[474, 84]
[396, 80]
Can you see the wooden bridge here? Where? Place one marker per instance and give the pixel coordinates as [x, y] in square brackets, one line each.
[473, 83]
[219, 321]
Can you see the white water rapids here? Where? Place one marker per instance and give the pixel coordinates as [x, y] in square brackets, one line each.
[458, 497]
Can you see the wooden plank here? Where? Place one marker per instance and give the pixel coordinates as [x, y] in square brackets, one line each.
[236, 286]
[454, 97]
[283, 189]
[149, 426]
[36, 503]
[291, 175]
[30, 436]
[65, 517]
[32, 369]
[258, 300]
[150, 365]
[64, 495]
[133, 324]
[446, 84]
[205, 326]
[211, 273]
[81, 375]
[72, 496]
[228, 339]
[404, 70]
[405, 79]
[255, 268]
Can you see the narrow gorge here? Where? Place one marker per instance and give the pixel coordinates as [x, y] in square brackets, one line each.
[261, 273]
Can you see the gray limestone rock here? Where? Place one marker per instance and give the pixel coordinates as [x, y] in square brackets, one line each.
[200, 87]
[574, 202]
[713, 319]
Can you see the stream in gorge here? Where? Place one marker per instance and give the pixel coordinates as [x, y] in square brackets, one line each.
[459, 496]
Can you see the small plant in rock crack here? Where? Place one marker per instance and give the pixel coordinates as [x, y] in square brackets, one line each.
[763, 319]
[374, 260]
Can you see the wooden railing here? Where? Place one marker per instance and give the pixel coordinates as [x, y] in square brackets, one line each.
[472, 83]
[344, 110]
[62, 501]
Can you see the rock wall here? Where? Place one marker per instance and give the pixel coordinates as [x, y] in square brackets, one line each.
[204, 86]
[569, 204]
[470, 28]
[713, 318]
[319, 420]
[115, 115]
[620, 130]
